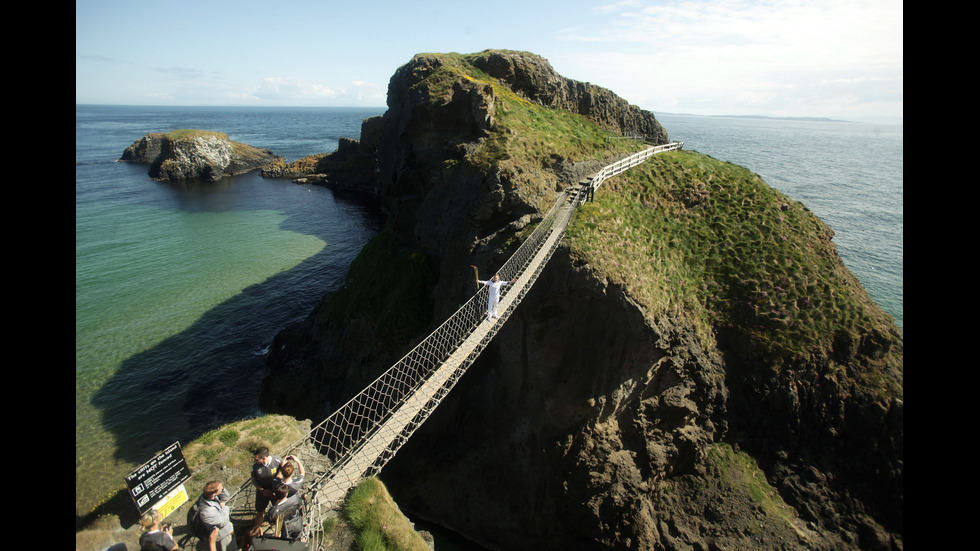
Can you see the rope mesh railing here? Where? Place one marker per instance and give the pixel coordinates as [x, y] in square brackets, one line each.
[360, 437]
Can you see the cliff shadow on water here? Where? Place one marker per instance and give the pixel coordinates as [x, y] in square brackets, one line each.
[210, 373]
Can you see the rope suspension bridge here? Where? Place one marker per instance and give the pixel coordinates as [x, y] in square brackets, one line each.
[359, 438]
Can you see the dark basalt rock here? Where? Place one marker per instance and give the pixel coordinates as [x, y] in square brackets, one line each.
[352, 167]
[532, 77]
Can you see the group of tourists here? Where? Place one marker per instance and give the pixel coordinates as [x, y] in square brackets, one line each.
[278, 500]
[278, 507]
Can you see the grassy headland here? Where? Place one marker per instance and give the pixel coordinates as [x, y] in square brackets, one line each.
[378, 522]
[688, 234]
[683, 233]
[525, 137]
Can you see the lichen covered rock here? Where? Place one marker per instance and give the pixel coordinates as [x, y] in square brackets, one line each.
[195, 155]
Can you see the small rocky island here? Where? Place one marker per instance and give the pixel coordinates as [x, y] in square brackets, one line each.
[695, 369]
[195, 155]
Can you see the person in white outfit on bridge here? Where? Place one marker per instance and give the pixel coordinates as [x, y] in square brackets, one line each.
[495, 285]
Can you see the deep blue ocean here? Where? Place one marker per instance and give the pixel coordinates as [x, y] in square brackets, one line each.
[180, 288]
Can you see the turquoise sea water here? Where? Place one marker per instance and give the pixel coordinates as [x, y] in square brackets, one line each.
[180, 288]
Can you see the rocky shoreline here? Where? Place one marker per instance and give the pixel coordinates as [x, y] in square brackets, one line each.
[352, 167]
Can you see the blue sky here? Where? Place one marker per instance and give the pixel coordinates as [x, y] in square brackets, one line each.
[810, 58]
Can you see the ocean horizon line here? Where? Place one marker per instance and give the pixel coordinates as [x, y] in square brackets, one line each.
[899, 121]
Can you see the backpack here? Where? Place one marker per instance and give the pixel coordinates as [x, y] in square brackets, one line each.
[289, 521]
[197, 526]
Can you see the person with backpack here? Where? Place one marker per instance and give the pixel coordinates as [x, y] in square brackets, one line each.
[285, 517]
[214, 515]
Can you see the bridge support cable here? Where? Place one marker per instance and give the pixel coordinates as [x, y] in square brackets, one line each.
[358, 439]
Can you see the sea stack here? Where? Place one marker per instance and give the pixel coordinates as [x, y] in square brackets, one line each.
[195, 155]
[695, 368]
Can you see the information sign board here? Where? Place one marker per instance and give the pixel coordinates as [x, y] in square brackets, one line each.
[171, 501]
[154, 480]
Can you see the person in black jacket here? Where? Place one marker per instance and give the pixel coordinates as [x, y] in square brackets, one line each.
[155, 537]
[263, 475]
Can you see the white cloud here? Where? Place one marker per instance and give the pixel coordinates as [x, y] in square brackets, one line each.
[745, 57]
[296, 91]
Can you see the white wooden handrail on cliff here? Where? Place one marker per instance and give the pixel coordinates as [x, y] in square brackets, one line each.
[361, 436]
[629, 162]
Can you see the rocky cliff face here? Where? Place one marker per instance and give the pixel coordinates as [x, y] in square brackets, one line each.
[195, 155]
[591, 422]
[562, 434]
[531, 76]
[352, 167]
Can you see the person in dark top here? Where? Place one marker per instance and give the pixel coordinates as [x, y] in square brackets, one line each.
[263, 476]
[285, 517]
[155, 538]
[290, 474]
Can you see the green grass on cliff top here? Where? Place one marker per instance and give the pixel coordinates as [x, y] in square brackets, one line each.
[683, 233]
[190, 133]
[688, 234]
[525, 137]
[379, 523]
[187, 134]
